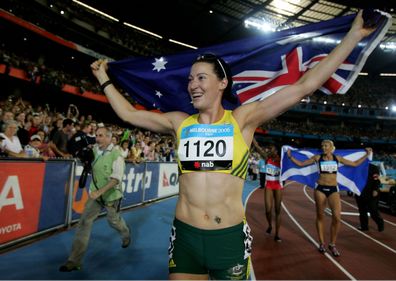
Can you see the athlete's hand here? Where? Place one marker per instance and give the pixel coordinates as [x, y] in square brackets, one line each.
[358, 26]
[99, 70]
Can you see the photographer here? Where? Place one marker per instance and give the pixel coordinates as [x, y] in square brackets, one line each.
[368, 200]
[105, 192]
[80, 140]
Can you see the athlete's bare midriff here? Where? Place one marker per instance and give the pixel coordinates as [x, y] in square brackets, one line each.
[328, 179]
[210, 200]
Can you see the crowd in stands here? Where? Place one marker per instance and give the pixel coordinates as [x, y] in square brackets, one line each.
[331, 131]
[39, 132]
[43, 73]
[369, 92]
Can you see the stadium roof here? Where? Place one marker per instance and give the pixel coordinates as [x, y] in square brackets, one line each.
[203, 23]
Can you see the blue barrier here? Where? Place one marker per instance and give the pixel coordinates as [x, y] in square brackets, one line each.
[39, 196]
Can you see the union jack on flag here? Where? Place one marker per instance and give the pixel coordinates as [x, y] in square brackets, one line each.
[260, 65]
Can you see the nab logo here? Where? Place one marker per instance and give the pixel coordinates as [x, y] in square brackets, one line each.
[208, 164]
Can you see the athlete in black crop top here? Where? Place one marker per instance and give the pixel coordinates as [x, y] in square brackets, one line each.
[328, 166]
[327, 189]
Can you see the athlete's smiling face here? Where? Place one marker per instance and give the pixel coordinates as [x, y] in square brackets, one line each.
[204, 86]
[327, 147]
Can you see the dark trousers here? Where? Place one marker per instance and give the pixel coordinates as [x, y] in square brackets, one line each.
[369, 205]
[262, 180]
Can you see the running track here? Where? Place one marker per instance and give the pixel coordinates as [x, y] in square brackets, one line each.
[364, 255]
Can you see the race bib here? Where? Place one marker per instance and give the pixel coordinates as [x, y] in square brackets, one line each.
[206, 147]
[328, 166]
[272, 170]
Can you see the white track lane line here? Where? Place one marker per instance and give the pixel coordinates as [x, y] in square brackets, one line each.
[350, 276]
[355, 207]
[328, 211]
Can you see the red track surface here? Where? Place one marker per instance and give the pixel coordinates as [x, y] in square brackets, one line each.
[367, 255]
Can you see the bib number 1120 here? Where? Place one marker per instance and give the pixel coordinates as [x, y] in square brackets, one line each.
[209, 148]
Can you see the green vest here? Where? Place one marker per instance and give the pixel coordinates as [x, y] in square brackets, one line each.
[102, 168]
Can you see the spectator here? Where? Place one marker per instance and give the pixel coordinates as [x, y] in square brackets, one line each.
[2, 152]
[149, 151]
[22, 133]
[32, 149]
[73, 112]
[11, 144]
[94, 126]
[124, 148]
[59, 142]
[7, 115]
[36, 121]
[136, 153]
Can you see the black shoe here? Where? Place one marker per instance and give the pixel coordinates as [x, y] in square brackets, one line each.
[334, 250]
[381, 227]
[277, 238]
[126, 241]
[362, 228]
[269, 229]
[322, 248]
[69, 266]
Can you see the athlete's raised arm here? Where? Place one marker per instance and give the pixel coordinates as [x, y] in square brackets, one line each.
[252, 115]
[158, 122]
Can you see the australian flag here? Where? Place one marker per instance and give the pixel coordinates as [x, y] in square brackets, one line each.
[260, 65]
[348, 178]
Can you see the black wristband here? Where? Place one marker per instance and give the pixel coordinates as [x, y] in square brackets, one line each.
[105, 84]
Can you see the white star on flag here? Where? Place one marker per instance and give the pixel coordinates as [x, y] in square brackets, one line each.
[159, 64]
[158, 94]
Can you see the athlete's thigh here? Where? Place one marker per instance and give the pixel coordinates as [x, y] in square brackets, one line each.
[335, 203]
[320, 201]
[278, 199]
[268, 198]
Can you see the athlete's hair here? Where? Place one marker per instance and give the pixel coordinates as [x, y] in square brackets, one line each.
[222, 70]
[331, 144]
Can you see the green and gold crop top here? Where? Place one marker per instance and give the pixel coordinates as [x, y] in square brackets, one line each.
[217, 147]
